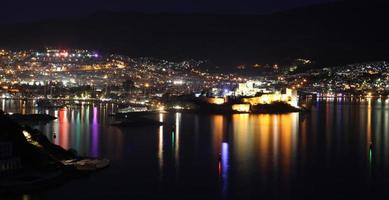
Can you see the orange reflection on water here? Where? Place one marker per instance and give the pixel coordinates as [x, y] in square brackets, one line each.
[274, 142]
[368, 134]
[240, 134]
[265, 124]
[63, 128]
[217, 122]
[286, 142]
[243, 148]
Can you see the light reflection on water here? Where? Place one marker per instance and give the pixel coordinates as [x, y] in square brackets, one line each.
[234, 156]
[160, 146]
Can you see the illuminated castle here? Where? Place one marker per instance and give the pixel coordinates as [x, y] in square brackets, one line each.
[250, 94]
[289, 96]
[250, 88]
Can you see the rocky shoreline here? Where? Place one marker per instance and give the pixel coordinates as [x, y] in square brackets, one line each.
[29, 161]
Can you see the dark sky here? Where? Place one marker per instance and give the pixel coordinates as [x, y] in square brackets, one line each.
[31, 10]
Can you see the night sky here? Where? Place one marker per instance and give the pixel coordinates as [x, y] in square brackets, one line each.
[32, 10]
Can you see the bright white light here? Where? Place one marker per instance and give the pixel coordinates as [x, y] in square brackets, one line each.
[177, 107]
[178, 82]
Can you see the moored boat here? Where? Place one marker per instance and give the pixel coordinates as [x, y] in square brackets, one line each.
[87, 164]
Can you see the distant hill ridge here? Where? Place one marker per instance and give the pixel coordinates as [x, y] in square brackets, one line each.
[333, 33]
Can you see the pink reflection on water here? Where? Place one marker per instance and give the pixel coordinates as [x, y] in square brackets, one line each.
[95, 134]
[224, 168]
[63, 128]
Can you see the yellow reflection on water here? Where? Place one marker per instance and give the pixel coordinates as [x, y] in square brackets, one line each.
[273, 140]
[22, 106]
[243, 150]
[240, 134]
[368, 131]
[26, 197]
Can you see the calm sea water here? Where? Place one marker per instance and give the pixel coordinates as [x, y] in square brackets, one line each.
[340, 150]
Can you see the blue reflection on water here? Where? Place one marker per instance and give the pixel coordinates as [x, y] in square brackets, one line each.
[224, 168]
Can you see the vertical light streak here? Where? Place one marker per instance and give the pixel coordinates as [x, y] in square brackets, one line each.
[63, 129]
[275, 140]
[177, 140]
[95, 134]
[56, 128]
[160, 146]
[224, 168]
[3, 105]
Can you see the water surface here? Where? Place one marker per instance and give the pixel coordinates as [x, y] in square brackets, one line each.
[340, 150]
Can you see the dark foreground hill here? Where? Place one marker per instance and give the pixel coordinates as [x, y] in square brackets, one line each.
[340, 32]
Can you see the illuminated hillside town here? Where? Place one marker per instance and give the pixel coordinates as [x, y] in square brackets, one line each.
[194, 100]
[85, 75]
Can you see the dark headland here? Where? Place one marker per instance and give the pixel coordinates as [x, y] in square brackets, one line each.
[30, 162]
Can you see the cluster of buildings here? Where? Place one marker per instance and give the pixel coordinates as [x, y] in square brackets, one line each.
[84, 74]
[356, 79]
[305, 76]
[88, 75]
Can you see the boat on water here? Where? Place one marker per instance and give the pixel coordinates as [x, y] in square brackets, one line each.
[131, 109]
[47, 103]
[87, 164]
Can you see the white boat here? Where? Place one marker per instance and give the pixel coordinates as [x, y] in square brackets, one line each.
[87, 164]
[133, 109]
